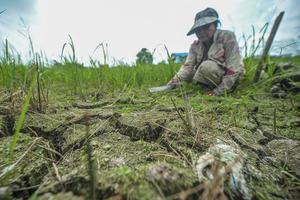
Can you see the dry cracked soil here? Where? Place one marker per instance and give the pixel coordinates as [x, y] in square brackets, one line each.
[144, 148]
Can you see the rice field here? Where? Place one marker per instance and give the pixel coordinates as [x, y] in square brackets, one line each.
[96, 132]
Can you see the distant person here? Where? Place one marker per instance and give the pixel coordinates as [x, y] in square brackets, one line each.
[214, 61]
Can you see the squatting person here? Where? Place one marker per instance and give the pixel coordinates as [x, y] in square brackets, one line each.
[214, 61]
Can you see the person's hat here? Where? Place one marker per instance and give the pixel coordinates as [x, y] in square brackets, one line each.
[204, 17]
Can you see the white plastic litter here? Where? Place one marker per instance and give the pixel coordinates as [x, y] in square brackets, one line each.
[161, 88]
[231, 158]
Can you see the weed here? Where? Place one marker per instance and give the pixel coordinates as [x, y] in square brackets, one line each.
[16, 135]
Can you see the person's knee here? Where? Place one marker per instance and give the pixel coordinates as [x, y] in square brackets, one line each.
[209, 73]
[209, 67]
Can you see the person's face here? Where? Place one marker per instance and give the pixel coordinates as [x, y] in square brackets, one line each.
[205, 33]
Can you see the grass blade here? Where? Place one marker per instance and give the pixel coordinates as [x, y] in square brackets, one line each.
[21, 119]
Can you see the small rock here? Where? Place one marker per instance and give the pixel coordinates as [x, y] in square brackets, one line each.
[283, 66]
[287, 83]
[275, 88]
[278, 92]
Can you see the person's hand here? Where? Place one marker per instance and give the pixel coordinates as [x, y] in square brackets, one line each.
[210, 93]
[174, 82]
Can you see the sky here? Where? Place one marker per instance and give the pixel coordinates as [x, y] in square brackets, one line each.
[129, 25]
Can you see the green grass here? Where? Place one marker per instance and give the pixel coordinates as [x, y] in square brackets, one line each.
[74, 79]
[20, 121]
[70, 81]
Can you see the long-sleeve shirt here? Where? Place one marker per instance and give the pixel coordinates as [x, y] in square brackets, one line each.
[224, 51]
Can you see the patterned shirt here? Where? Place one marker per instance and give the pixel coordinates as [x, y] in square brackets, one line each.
[224, 51]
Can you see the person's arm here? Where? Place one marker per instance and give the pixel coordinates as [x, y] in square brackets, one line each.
[233, 62]
[185, 72]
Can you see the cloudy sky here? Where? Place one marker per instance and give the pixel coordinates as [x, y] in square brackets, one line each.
[129, 25]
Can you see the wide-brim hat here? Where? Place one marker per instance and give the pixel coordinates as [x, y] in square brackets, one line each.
[204, 17]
